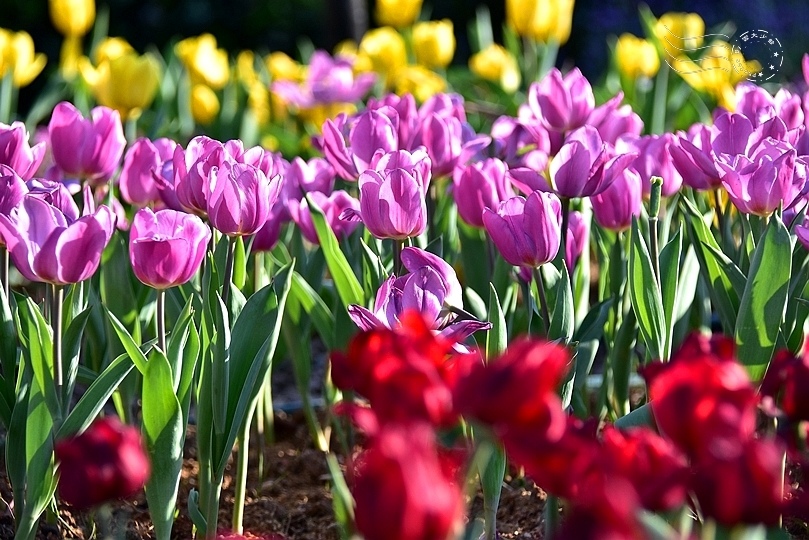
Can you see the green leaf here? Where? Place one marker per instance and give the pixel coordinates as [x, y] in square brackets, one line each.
[131, 348]
[640, 417]
[497, 336]
[71, 344]
[315, 307]
[163, 429]
[764, 300]
[37, 348]
[95, 397]
[8, 341]
[592, 327]
[194, 512]
[644, 294]
[563, 319]
[348, 287]
[117, 288]
[183, 353]
[669, 276]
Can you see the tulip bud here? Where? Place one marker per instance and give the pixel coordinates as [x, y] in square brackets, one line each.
[496, 64]
[434, 43]
[18, 57]
[240, 198]
[206, 64]
[106, 462]
[204, 104]
[397, 13]
[16, 153]
[73, 18]
[385, 48]
[636, 57]
[126, 83]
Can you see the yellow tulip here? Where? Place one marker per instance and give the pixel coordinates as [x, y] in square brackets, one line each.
[541, 20]
[73, 18]
[246, 68]
[434, 43]
[496, 64]
[385, 49]
[17, 56]
[258, 101]
[636, 57]
[397, 13]
[419, 81]
[111, 48]
[206, 64]
[204, 104]
[284, 68]
[680, 32]
[127, 83]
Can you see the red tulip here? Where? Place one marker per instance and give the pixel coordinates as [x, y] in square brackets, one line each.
[106, 462]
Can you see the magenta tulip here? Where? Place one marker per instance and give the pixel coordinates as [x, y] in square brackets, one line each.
[578, 238]
[484, 184]
[166, 248]
[86, 148]
[313, 175]
[562, 103]
[329, 80]
[615, 207]
[654, 158]
[240, 199]
[612, 120]
[142, 162]
[46, 246]
[527, 232]
[16, 153]
[332, 206]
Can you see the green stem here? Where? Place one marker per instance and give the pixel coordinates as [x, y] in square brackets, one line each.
[398, 245]
[563, 236]
[658, 123]
[131, 127]
[161, 320]
[212, 508]
[543, 301]
[227, 282]
[551, 512]
[4, 269]
[6, 97]
[57, 299]
[242, 459]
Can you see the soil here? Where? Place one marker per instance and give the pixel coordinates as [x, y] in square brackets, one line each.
[292, 500]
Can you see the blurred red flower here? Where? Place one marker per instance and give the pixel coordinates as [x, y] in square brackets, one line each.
[106, 462]
[786, 382]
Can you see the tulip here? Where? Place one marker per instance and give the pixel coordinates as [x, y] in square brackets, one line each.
[55, 194]
[562, 103]
[615, 207]
[206, 64]
[481, 185]
[527, 232]
[106, 462]
[654, 158]
[496, 64]
[541, 20]
[12, 192]
[385, 48]
[313, 175]
[397, 13]
[636, 57]
[680, 32]
[607, 508]
[332, 205]
[240, 198]
[17, 56]
[166, 248]
[523, 144]
[418, 81]
[392, 200]
[424, 500]
[45, 246]
[694, 158]
[127, 83]
[613, 120]
[16, 153]
[204, 104]
[267, 236]
[86, 148]
[578, 239]
[72, 17]
[141, 163]
[434, 43]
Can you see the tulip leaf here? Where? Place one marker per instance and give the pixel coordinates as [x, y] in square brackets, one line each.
[117, 290]
[315, 307]
[497, 336]
[194, 512]
[220, 366]
[37, 347]
[163, 429]
[95, 397]
[641, 417]
[724, 296]
[254, 338]
[183, 353]
[644, 293]
[8, 359]
[764, 301]
[71, 344]
[563, 319]
[131, 348]
[669, 277]
[348, 287]
[592, 327]
[15, 440]
[373, 270]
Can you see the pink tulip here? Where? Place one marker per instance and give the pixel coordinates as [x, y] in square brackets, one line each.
[614, 207]
[527, 232]
[45, 246]
[484, 184]
[16, 153]
[562, 103]
[166, 248]
[329, 80]
[313, 175]
[332, 206]
[240, 198]
[142, 162]
[86, 148]
[612, 120]
[654, 158]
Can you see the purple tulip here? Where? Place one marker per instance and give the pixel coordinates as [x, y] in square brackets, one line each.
[802, 232]
[313, 175]
[612, 120]
[527, 232]
[329, 80]
[240, 198]
[12, 192]
[693, 157]
[406, 111]
[166, 248]
[57, 194]
[653, 159]
[267, 236]
[16, 153]
[614, 207]
[585, 165]
[484, 184]
[332, 205]
[86, 148]
[562, 103]
[141, 162]
[761, 183]
[578, 238]
[45, 246]
[758, 105]
[192, 168]
[429, 287]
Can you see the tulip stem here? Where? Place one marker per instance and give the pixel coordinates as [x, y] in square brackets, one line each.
[398, 245]
[6, 96]
[563, 239]
[161, 320]
[57, 298]
[242, 459]
[4, 269]
[543, 301]
[720, 213]
[551, 512]
[228, 278]
[658, 123]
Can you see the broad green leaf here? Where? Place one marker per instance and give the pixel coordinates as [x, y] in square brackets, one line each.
[348, 287]
[315, 307]
[71, 345]
[669, 277]
[117, 289]
[37, 346]
[183, 353]
[15, 442]
[764, 300]
[640, 417]
[8, 342]
[95, 397]
[221, 366]
[644, 294]
[131, 348]
[373, 271]
[497, 336]
[563, 319]
[163, 429]
[592, 327]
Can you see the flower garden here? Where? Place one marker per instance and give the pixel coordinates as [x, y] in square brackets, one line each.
[512, 277]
